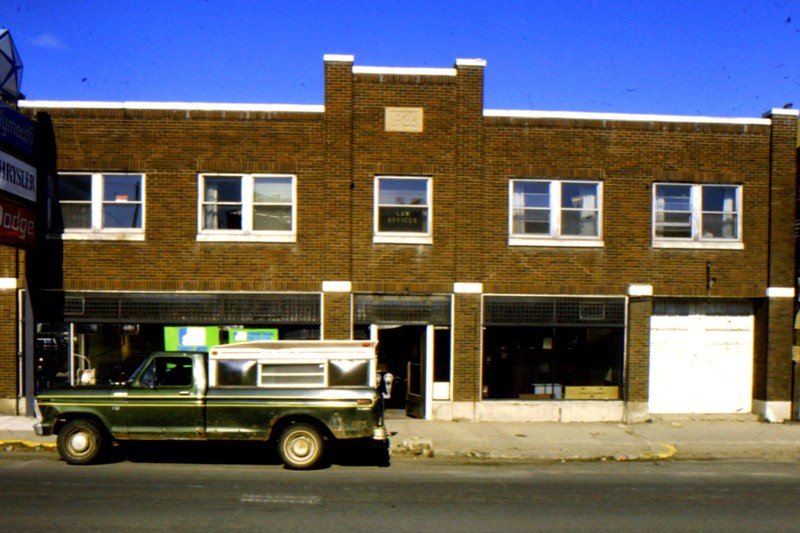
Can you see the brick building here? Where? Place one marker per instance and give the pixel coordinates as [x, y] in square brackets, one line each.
[514, 265]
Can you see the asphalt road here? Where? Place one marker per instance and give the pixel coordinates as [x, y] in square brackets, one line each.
[40, 493]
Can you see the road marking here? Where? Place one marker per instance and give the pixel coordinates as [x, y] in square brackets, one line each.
[285, 499]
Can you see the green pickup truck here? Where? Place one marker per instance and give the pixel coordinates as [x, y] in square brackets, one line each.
[302, 395]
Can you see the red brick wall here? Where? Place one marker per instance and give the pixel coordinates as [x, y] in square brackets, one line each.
[637, 371]
[470, 158]
[628, 157]
[11, 265]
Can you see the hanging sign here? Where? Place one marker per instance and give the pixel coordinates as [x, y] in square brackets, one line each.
[17, 225]
[17, 178]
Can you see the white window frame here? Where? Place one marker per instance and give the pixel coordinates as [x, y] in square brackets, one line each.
[97, 231]
[247, 233]
[555, 238]
[697, 240]
[402, 237]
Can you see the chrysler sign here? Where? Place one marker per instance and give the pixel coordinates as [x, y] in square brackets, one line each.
[17, 178]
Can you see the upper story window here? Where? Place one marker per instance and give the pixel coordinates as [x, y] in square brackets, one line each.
[99, 206]
[687, 215]
[254, 207]
[403, 210]
[555, 212]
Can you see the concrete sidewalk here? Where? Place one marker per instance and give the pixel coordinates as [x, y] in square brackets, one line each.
[661, 439]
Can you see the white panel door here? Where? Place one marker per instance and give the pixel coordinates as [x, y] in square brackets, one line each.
[701, 364]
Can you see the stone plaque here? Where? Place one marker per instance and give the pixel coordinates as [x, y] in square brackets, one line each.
[404, 119]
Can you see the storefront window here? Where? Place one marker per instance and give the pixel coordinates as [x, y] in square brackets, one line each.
[539, 363]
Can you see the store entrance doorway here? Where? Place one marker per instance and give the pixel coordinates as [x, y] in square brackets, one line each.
[404, 351]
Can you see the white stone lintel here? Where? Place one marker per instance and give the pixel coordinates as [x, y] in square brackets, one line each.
[640, 289]
[468, 288]
[337, 286]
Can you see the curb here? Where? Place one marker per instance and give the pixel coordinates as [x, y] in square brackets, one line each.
[28, 444]
[671, 452]
[418, 447]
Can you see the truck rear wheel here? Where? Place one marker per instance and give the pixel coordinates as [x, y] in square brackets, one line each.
[81, 442]
[301, 447]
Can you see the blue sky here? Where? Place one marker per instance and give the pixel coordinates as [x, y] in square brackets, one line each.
[730, 58]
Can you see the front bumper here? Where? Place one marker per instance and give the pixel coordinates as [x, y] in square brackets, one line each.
[42, 430]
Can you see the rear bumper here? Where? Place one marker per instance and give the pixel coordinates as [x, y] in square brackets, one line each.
[379, 433]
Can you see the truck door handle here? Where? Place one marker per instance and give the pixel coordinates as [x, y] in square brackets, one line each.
[184, 393]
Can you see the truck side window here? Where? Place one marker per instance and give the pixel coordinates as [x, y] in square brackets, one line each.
[168, 372]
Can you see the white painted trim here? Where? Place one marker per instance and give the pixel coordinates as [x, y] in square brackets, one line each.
[339, 58]
[516, 240]
[8, 283]
[781, 111]
[471, 62]
[780, 292]
[468, 288]
[73, 235]
[406, 71]
[244, 237]
[676, 244]
[173, 106]
[580, 115]
[337, 286]
[773, 411]
[640, 290]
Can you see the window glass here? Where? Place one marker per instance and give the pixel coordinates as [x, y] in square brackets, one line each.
[236, 373]
[292, 374]
[697, 212]
[720, 219]
[348, 373]
[75, 195]
[531, 214]
[542, 363]
[122, 201]
[555, 209]
[249, 206]
[101, 202]
[272, 204]
[403, 205]
[172, 372]
[222, 203]
[168, 372]
[673, 211]
[579, 209]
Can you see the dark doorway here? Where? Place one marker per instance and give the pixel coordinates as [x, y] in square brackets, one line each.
[401, 351]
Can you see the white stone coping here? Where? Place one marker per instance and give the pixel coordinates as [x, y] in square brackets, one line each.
[173, 106]
[629, 117]
[406, 71]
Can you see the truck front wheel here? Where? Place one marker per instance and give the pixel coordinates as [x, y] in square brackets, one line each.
[301, 447]
[80, 442]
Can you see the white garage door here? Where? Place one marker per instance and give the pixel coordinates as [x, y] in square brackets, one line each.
[701, 364]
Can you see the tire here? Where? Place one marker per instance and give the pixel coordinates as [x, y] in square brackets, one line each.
[301, 447]
[81, 442]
